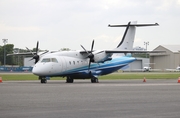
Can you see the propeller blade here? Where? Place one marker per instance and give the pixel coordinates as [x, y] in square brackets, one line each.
[89, 64]
[31, 59]
[37, 47]
[44, 52]
[90, 54]
[84, 49]
[92, 46]
[29, 51]
[35, 55]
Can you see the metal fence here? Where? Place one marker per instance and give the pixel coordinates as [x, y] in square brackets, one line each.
[16, 69]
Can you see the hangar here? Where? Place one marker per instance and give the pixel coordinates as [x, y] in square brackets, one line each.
[168, 60]
[137, 65]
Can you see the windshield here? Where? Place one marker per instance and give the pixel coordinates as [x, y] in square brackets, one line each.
[45, 60]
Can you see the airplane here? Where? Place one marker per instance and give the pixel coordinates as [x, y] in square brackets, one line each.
[87, 64]
[174, 70]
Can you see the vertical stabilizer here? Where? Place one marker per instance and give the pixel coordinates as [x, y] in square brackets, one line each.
[128, 38]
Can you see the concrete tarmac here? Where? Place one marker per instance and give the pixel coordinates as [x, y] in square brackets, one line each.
[82, 99]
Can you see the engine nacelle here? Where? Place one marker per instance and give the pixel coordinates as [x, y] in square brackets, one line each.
[101, 57]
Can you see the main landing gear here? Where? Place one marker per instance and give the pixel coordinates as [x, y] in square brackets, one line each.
[69, 79]
[43, 80]
[94, 80]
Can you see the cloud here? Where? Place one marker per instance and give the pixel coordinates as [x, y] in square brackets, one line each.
[137, 40]
[164, 5]
[178, 2]
[117, 4]
[79, 21]
[4, 28]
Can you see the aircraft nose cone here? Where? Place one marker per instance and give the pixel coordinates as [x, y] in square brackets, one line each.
[40, 69]
[36, 71]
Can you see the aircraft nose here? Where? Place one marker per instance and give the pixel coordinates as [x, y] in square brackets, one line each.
[36, 71]
[41, 69]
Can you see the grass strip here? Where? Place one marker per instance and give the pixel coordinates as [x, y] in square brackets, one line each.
[140, 75]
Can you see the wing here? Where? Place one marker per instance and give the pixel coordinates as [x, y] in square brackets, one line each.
[124, 51]
[26, 54]
[101, 56]
[133, 51]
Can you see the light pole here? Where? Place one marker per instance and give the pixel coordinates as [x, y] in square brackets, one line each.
[146, 43]
[5, 41]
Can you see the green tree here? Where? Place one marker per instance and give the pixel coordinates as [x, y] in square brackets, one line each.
[1, 55]
[65, 49]
[9, 50]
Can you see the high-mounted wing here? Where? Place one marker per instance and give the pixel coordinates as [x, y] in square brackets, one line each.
[133, 51]
[26, 54]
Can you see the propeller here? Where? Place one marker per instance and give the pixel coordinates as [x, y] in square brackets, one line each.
[35, 55]
[90, 54]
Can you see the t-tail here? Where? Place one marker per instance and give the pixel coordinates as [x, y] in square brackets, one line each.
[129, 34]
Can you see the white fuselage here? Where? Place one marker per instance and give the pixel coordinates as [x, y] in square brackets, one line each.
[76, 64]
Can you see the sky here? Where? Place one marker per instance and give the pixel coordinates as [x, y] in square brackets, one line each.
[58, 24]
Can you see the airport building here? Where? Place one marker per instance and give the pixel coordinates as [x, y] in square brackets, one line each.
[28, 62]
[137, 65]
[168, 60]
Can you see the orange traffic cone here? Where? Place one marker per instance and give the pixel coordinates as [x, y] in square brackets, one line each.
[179, 80]
[144, 80]
[0, 79]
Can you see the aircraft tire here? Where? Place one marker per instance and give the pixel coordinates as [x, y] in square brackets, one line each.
[69, 79]
[43, 80]
[94, 80]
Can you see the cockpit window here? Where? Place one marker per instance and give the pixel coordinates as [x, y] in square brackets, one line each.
[45, 60]
[54, 60]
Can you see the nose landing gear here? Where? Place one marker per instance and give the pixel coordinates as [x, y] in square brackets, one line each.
[43, 80]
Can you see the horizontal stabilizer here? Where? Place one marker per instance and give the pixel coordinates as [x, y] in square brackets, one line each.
[137, 25]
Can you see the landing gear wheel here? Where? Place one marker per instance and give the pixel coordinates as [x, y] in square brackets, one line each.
[69, 79]
[43, 80]
[94, 80]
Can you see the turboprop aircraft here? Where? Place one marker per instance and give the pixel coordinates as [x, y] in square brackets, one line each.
[87, 64]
